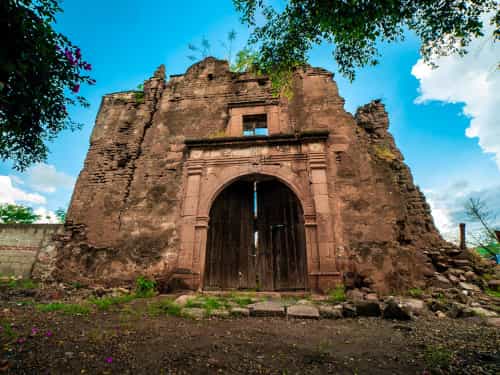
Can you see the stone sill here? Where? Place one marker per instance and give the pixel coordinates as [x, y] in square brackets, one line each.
[308, 136]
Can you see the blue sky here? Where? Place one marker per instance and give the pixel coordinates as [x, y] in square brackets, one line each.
[126, 40]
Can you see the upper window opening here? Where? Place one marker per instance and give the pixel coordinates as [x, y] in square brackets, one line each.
[255, 125]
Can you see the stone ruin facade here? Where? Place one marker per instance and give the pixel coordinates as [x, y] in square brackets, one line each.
[209, 181]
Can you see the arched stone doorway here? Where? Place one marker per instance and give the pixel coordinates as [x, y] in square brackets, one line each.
[256, 237]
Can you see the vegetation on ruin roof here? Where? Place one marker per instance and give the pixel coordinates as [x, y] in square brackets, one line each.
[355, 29]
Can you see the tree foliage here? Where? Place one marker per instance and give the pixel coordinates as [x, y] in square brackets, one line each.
[61, 215]
[477, 211]
[355, 28]
[40, 75]
[245, 61]
[16, 214]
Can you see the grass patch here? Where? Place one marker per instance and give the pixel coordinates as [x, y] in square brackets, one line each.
[20, 284]
[7, 331]
[242, 301]
[415, 292]
[493, 293]
[437, 358]
[165, 307]
[65, 308]
[76, 285]
[105, 303]
[337, 294]
[209, 303]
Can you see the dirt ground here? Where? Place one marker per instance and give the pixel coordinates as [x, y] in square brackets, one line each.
[127, 339]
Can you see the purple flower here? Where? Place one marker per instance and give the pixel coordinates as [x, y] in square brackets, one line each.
[34, 331]
[109, 359]
[78, 54]
[87, 66]
[21, 340]
[75, 88]
[48, 334]
[69, 56]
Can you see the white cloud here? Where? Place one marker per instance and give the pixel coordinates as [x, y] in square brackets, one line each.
[11, 194]
[45, 178]
[448, 206]
[473, 80]
[46, 216]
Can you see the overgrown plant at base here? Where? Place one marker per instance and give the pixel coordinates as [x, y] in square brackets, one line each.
[145, 287]
[337, 294]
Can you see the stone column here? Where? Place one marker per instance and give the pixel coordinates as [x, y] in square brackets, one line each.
[326, 275]
[189, 256]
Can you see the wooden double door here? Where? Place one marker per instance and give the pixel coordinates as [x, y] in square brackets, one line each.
[256, 238]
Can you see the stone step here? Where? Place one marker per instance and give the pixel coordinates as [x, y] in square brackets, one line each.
[303, 311]
[267, 308]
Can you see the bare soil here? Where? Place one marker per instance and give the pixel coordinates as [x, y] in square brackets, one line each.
[129, 340]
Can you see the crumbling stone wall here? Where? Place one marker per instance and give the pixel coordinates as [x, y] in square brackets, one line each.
[127, 205]
[23, 245]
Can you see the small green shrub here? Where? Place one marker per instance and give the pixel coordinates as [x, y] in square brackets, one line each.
[65, 308]
[493, 293]
[415, 292]
[437, 358]
[337, 294]
[139, 95]
[165, 307]
[144, 287]
[105, 303]
[384, 153]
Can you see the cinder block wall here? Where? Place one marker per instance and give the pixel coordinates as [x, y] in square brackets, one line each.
[20, 245]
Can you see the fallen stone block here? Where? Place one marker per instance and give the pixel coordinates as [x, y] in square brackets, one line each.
[494, 322]
[439, 281]
[331, 312]
[367, 308]
[240, 311]
[219, 313]
[494, 284]
[267, 308]
[348, 310]
[395, 310]
[469, 287]
[413, 305]
[303, 312]
[480, 311]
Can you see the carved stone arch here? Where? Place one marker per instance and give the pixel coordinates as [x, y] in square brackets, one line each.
[216, 183]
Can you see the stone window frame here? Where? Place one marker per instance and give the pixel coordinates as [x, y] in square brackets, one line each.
[237, 111]
[255, 122]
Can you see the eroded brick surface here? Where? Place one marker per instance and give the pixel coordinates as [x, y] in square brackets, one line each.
[142, 200]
